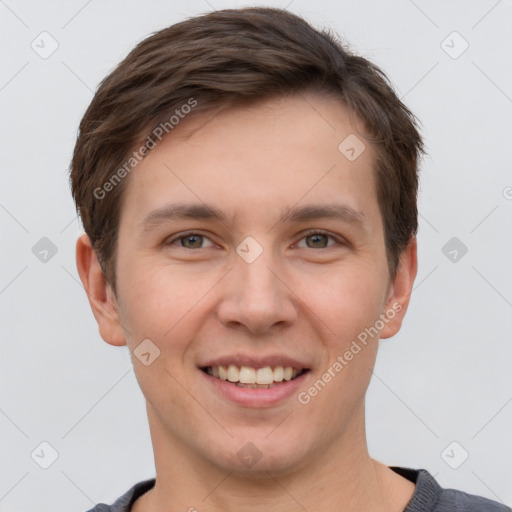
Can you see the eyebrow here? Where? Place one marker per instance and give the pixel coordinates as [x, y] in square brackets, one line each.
[178, 211]
[325, 211]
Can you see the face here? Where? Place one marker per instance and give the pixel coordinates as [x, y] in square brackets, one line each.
[247, 246]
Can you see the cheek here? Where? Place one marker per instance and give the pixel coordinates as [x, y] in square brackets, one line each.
[345, 300]
[348, 305]
[350, 310]
[158, 300]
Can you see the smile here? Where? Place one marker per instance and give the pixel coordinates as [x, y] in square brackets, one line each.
[256, 378]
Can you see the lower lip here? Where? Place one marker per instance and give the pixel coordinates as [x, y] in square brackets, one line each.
[254, 397]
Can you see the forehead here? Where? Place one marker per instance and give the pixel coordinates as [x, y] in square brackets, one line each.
[258, 161]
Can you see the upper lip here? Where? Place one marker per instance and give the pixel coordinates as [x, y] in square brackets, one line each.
[255, 361]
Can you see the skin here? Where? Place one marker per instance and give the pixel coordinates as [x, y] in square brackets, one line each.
[303, 296]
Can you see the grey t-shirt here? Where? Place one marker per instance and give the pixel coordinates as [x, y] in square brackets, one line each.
[428, 496]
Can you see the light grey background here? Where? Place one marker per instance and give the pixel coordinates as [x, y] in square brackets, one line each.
[445, 377]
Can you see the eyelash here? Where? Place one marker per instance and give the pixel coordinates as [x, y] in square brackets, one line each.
[304, 235]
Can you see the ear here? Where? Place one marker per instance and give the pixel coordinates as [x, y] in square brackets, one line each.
[99, 292]
[400, 290]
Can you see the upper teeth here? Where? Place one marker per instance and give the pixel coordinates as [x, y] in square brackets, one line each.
[248, 375]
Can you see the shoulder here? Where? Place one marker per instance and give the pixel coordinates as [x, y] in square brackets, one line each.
[124, 502]
[429, 496]
[451, 500]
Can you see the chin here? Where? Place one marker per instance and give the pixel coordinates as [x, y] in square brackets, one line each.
[258, 455]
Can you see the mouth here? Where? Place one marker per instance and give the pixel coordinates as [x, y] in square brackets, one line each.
[266, 377]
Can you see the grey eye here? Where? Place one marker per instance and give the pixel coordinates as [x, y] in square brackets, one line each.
[316, 241]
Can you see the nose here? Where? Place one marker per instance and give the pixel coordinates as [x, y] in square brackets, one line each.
[256, 296]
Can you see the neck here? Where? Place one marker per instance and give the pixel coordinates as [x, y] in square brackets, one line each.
[344, 477]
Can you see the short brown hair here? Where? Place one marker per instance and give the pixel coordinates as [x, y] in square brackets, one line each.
[238, 56]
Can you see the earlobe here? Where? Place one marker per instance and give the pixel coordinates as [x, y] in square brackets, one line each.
[400, 290]
[99, 293]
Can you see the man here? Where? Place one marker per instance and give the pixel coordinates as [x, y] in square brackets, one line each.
[248, 190]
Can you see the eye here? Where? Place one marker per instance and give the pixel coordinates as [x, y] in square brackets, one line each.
[317, 240]
[190, 241]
